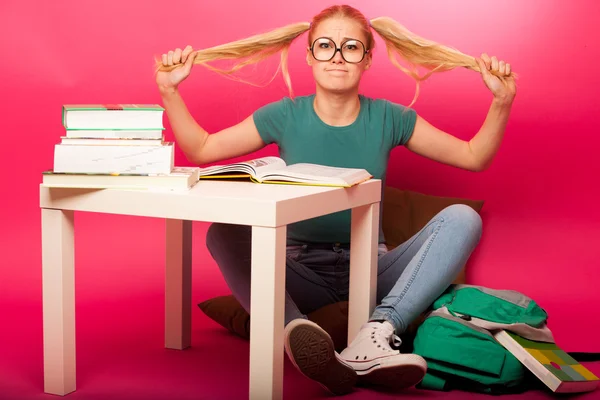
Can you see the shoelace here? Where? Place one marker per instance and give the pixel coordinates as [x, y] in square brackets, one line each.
[384, 337]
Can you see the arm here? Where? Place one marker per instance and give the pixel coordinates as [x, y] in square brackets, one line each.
[476, 154]
[486, 143]
[198, 145]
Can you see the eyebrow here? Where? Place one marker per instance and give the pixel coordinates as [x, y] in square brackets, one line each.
[343, 39]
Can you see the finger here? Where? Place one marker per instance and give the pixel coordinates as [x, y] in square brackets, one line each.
[480, 63]
[177, 56]
[170, 57]
[482, 67]
[508, 69]
[486, 59]
[502, 67]
[190, 61]
[165, 61]
[186, 52]
[494, 63]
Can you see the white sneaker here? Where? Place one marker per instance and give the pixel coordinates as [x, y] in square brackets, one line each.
[376, 363]
[312, 351]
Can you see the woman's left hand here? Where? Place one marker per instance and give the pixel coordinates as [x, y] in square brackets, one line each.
[503, 91]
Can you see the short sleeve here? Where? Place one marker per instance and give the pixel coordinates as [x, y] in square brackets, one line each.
[404, 120]
[271, 121]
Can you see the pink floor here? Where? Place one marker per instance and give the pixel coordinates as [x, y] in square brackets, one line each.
[120, 353]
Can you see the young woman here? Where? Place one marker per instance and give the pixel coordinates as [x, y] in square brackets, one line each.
[337, 126]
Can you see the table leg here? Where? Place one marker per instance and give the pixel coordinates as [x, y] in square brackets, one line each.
[267, 312]
[363, 266]
[178, 284]
[58, 298]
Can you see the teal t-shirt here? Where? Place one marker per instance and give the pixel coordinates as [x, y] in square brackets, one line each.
[303, 137]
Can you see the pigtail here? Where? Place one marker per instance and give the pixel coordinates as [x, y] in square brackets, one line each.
[251, 50]
[418, 51]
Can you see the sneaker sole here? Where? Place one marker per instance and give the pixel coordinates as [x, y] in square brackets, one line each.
[394, 376]
[312, 351]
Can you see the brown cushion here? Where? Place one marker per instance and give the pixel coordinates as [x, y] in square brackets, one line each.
[404, 214]
[229, 313]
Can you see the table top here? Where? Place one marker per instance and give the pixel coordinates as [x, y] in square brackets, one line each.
[243, 203]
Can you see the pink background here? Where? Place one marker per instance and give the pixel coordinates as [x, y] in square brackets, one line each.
[541, 219]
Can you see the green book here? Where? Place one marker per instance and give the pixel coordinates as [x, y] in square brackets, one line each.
[552, 365]
[112, 116]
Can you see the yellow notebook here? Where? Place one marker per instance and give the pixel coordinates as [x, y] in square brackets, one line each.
[552, 365]
[274, 170]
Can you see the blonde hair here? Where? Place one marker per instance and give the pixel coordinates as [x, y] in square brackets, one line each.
[399, 41]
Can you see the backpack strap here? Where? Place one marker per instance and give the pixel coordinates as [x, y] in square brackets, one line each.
[512, 296]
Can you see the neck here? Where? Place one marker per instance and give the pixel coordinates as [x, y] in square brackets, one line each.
[337, 109]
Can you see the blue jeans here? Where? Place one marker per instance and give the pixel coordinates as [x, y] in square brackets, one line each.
[409, 277]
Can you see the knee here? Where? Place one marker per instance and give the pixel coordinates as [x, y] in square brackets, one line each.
[465, 219]
[214, 235]
[220, 235]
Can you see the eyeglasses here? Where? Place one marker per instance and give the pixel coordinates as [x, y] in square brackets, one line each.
[353, 51]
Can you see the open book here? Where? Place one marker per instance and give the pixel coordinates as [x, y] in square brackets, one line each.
[275, 170]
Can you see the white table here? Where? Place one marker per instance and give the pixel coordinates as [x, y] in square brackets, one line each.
[267, 208]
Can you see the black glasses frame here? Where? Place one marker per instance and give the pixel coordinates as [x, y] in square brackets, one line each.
[365, 50]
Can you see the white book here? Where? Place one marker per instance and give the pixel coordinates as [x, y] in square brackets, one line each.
[111, 142]
[114, 133]
[114, 159]
[178, 178]
[112, 116]
[275, 170]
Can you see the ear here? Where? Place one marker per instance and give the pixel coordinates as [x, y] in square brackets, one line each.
[368, 60]
[309, 58]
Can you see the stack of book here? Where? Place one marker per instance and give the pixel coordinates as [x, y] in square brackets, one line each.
[116, 145]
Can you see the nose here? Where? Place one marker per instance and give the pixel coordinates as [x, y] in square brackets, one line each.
[337, 57]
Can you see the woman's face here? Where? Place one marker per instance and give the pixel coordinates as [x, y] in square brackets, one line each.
[338, 74]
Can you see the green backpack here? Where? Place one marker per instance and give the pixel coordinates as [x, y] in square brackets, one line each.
[463, 355]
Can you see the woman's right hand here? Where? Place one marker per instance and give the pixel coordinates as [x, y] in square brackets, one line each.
[171, 79]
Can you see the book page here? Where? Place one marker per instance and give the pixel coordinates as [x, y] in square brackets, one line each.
[304, 172]
[317, 172]
[265, 165]
[253, 167]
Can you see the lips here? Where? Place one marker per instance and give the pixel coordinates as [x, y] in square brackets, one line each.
[337, 73]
